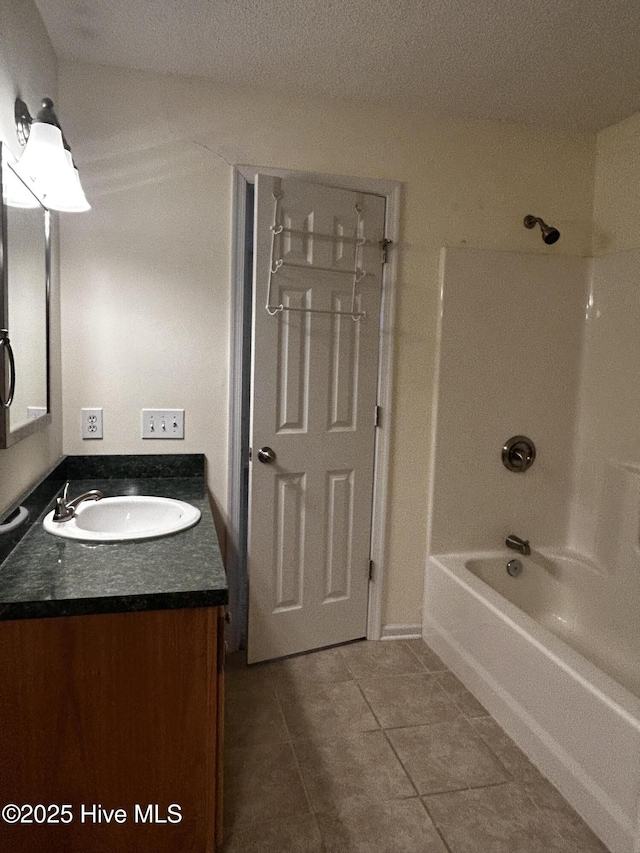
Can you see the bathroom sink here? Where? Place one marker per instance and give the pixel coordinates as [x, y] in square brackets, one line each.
[124, 518]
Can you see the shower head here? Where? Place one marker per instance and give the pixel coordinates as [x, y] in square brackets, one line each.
[550, 234]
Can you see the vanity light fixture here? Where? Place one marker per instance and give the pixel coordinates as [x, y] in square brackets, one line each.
[46, 163]
[16, 192]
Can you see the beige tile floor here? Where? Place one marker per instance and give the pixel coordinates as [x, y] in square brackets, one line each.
[378, 748]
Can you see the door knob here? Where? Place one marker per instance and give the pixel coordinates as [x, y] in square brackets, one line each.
[266, 455]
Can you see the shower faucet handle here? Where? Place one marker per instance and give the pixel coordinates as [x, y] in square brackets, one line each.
[518, 454]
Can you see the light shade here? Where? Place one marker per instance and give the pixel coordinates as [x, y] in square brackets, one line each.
[66, 194]
[16, 193]
[48, 164]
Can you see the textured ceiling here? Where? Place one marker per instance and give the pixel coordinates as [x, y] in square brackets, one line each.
[570, 64]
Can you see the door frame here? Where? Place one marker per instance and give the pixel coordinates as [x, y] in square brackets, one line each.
[390, 190]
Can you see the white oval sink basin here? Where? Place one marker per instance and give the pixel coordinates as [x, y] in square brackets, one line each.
[124, 518]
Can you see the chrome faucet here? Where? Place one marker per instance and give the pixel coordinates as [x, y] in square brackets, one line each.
[66, 509]
[518, 544]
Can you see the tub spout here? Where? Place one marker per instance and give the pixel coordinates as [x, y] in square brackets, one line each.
[518, 544]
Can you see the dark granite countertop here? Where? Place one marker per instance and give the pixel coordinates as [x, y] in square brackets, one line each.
[46, 575]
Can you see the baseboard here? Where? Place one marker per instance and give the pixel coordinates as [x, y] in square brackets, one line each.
[401, 632]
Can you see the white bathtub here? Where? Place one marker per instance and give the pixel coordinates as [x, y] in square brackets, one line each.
[562, 678]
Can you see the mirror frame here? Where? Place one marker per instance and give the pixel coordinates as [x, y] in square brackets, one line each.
[8, 437]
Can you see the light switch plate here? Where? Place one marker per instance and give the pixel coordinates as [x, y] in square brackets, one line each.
[91, 423]
[163, 423]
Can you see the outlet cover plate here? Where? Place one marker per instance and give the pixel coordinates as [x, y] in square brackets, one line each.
[163, 423]
[91, 423]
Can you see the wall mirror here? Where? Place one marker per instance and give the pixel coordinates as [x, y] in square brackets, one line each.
[25, 277]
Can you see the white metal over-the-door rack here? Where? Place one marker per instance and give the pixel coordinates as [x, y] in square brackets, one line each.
[358, 272]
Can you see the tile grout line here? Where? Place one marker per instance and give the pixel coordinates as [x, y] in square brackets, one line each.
[437, 828]
[522, 784]
[459, 703]
[404, 769]
[307, 797]
[511, 777]
[399, 760]
[445, 668]
[506, 781]
[521, 781]
[406, 772]
[415, 654]
[420, 797]
[346, 663]
[300, 774]
[400, 643]
[274, 690]
[282, 714]
[366, 702]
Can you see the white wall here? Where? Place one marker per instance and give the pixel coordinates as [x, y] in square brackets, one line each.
[145, 313]
[509, 365]
[616, 209]
[28, 69]
[147, 272]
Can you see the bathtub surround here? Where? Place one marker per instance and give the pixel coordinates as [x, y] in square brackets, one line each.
[508, 365]
[547, 348]
[606, 501]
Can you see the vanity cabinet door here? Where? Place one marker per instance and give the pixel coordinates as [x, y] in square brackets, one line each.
[113, 712]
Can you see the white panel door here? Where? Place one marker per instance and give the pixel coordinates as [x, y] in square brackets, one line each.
[314, 379]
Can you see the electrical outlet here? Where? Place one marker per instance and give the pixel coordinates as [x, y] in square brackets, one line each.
[91, 423]
[163, 423]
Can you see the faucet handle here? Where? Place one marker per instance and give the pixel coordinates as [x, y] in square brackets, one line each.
[518, 453]
[62, 512]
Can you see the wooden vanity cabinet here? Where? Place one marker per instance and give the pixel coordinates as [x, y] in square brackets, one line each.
[110, 712]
